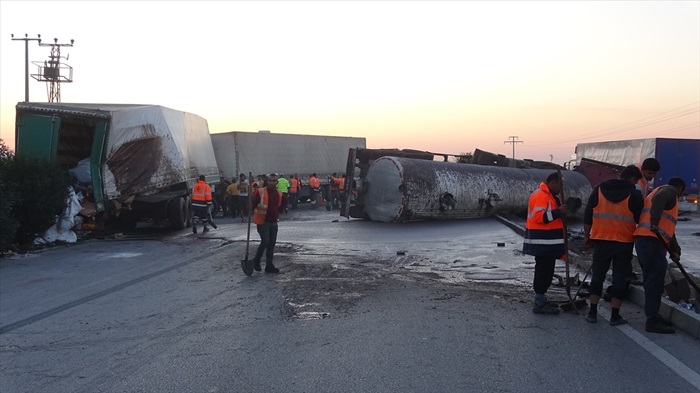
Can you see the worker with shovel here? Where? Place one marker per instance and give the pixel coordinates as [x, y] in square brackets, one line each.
[544, 238]
[267, 204]
[654, 236]
[609, 222]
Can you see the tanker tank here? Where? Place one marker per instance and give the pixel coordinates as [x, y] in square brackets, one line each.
[405, 189]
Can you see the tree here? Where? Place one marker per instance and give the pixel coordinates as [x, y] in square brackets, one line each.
[32, 194]
[464, 158]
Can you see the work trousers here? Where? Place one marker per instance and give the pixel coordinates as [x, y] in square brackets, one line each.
[268, 238]
[200, 216]
[620, 254]
[651, 254]
[233, 205]
[544, 272]
[294, 199]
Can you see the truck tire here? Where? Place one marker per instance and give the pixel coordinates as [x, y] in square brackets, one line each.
[214, 209]
[177, 213]
[188, 205]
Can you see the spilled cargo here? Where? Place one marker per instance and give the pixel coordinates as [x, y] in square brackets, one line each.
[399, 189]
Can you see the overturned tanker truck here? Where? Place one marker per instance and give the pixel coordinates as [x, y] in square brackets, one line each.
[404, 188]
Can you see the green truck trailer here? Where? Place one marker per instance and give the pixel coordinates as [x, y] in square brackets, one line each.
[137, 161]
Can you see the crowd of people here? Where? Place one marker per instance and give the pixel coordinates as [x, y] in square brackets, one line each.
[237, 192]
[264, 197]
[621, 215]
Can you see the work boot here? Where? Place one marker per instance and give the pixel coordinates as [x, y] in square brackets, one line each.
[656, 325]
[194, 229]
[547, 308]
[615, 321]
[256, 266]
[205, 230]
[270, 268]
[592, 318]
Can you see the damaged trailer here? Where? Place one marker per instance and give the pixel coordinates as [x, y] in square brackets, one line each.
[139, 161]
[400, 189]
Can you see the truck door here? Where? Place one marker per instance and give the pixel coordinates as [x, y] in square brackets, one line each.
[97, 163]
[37, 135]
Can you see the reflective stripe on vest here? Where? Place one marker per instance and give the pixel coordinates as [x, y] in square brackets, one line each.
[667, 223]
[613, 221]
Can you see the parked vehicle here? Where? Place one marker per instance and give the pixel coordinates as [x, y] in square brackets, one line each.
[265, 152]
[678, 157]
[134, 161]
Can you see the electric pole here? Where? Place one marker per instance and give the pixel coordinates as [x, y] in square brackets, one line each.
[513, 140]
[26, 40]
[51, 73]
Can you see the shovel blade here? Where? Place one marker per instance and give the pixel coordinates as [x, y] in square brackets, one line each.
[680, 290]
[247, 267]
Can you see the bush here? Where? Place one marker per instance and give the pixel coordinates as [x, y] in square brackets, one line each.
[8, 224]
[36, 193]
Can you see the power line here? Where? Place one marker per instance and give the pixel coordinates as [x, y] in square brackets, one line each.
[631, 125]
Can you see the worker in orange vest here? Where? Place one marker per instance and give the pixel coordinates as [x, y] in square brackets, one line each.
[650, 167]
[294, 188]
[544, 238]
[654, 236]
[609, 222]
[315, 186]
[333, 197]
[267, 204]
[201, 203]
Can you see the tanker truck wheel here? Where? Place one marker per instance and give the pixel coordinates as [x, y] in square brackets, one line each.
[177, 213]
[214, 209]
[188, 206]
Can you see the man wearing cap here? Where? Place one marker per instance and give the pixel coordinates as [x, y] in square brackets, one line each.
[267, 204]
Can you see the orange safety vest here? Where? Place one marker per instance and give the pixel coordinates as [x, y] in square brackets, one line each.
[341, 183]
[613, 221]
[644, 186]
[544, 235]
[667, 223]
[201, 194]
[335, 182]
[294, 186]
[314, 182]
[260, 211]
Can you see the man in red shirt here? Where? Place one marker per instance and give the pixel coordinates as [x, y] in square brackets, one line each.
[267, 204]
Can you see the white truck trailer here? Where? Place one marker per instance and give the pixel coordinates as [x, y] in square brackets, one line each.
[138, 161]
[264, 152]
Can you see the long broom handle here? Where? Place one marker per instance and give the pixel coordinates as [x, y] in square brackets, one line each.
[250, 204]
[680, 267]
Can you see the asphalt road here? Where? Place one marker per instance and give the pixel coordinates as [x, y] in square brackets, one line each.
[176, 314]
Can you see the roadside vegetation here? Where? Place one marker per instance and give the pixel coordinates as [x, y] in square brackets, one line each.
[32, 195]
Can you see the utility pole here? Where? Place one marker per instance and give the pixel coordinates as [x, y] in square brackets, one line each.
[51, 73]
[513, 140]
[26, 40]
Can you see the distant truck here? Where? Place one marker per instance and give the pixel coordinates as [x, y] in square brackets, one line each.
[136, 161]
[678, 157]
[264, 152]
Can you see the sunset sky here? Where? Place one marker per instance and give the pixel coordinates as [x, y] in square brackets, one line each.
[445, 77]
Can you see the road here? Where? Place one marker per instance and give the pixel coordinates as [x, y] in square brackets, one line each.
[358, 307]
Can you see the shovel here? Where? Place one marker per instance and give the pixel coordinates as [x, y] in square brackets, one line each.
[566, 250]
[246, 264]
[677, 290]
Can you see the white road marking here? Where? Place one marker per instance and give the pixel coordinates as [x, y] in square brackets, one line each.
[656, 351]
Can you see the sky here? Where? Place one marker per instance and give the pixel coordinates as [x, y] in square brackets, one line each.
[441, 76]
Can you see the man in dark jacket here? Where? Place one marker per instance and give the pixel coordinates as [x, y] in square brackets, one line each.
[609, 222]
